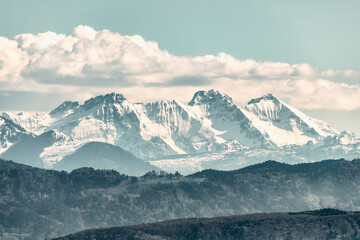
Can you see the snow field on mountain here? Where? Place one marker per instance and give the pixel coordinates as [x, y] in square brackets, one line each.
[209, 131]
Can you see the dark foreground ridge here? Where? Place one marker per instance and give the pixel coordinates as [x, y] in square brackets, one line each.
[42, 204]
[320, 224]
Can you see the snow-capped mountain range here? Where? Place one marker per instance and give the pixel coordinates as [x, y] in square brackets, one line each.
[211, 124]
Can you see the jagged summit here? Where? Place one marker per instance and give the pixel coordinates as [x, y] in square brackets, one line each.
[211, 122]
[206, 97]
[116, 97]
[65, 106]
[268, 96]
[4, 122]
[108, 98]
[284, 124]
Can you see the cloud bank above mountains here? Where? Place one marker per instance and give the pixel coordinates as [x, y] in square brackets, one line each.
[91, 62]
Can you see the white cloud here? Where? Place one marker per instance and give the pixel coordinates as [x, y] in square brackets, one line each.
[325, 94]
[81, 32]
[12, 60]
[94, 62]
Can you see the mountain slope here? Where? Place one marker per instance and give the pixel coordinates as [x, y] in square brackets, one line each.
[104, 156]
[283, 124]
[29, 149]
[35, 123]
[10, 133]
[218, 111]
[64, 109]
[211, 123]
[147, 130]
[113, 119]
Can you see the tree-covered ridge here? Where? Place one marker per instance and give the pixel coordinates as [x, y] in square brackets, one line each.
[319, 224]
[37, 203]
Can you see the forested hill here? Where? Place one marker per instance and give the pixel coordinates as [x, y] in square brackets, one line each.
[320, 224]
[37, 203]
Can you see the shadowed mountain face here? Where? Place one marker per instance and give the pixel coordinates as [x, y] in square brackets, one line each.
[104, 156]
[29, 148]
[321, 224]
[10, 133]
[64, 203]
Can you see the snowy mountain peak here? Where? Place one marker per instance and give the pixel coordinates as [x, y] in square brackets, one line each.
[268, 96]
[208, 97]
[108, 99]
[210, 122]
[284, 124]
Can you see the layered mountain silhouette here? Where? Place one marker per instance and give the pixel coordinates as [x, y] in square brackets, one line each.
[104, 156]
[42, 204]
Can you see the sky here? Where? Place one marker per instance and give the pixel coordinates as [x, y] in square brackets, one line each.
[307, 53]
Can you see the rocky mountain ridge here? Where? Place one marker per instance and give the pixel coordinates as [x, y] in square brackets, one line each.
[211, 123]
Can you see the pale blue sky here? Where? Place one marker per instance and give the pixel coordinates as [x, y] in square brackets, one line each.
[323, 33]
